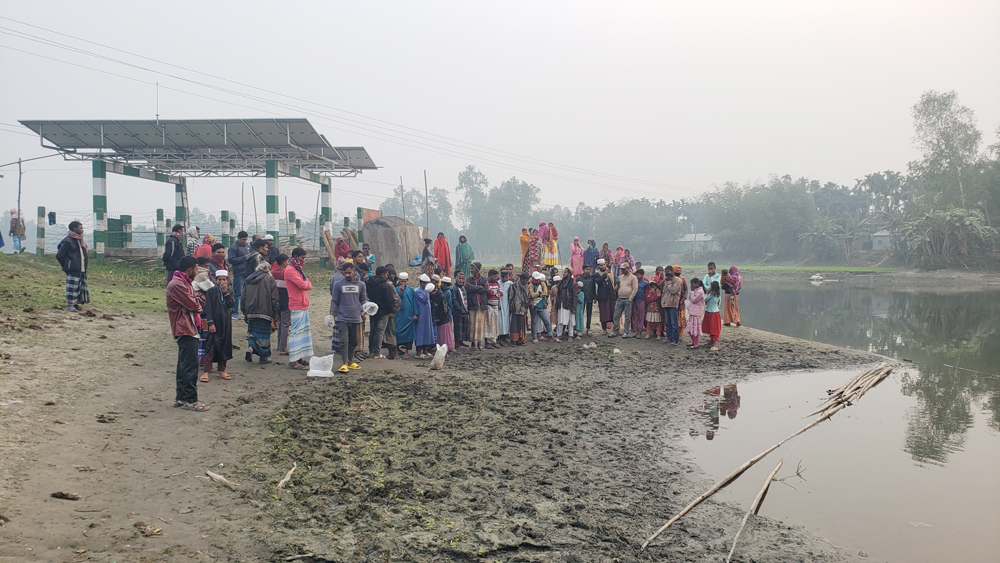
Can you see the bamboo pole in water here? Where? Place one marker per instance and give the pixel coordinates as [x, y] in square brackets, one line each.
[754, 508]
[856, 388]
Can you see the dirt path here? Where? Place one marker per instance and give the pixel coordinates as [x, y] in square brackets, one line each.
[536, 454]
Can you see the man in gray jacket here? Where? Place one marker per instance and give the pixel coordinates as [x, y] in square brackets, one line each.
[346, 298]
[237, 255]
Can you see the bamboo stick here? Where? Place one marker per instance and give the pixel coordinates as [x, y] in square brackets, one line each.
[754, 508]
[732, 476]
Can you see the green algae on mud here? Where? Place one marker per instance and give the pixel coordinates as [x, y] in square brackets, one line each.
[540, 453]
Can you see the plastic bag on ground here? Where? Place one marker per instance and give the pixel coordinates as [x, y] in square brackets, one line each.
[438, 361]
[321, 366]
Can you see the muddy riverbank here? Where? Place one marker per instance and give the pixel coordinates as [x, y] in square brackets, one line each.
[545, 452]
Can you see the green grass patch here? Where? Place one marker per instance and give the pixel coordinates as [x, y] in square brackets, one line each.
[37, 282]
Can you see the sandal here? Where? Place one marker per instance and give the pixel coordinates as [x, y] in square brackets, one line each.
[178, 404]
[282, 353]
[343, 369]
[297, 365]
[197, 407]
[203, 378]
[223, 375]
[354, 366]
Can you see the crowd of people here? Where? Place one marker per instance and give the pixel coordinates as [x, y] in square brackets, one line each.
[453, 304]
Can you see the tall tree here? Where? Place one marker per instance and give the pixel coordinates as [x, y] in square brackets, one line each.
[945, 131]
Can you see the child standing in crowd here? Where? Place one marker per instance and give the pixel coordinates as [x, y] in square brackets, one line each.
[712, 323]
[284, 317]
[579, 310]
[654, 318]
[442, 319]
[695, 311]
[493, 295]
[732, 287]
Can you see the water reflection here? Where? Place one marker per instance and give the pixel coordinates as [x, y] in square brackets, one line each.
[718, 403]
[950, 336]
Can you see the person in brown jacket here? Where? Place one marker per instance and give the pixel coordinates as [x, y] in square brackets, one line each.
[184, 311]
[628, 286]
[672, 287]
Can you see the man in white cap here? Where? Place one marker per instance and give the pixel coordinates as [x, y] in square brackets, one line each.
[606, 296]
[406, 318]
[272, 250]
[538, 293]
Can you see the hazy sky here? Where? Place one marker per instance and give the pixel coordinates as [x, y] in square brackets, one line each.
[657, 99]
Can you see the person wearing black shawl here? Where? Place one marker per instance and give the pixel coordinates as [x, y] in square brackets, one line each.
[218, 323]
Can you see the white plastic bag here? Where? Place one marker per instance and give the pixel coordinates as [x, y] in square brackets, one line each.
[370, 308]
[321, 366]
[330, 321]
[438, 361]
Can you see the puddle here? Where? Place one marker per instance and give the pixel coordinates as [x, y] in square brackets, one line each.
[864, 486]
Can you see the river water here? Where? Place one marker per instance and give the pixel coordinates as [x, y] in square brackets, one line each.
[909, 473]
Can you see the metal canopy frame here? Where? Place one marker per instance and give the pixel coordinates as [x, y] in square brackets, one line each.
[202, 147]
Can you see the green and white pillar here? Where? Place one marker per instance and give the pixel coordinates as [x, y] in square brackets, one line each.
[100, 174]
[224, 233]
[325, 218]
[127, 230]
[161, 237]
[361, 220]
[39, 233]
[232, 231]
[273, 217]
[290, 222]
[180, 211]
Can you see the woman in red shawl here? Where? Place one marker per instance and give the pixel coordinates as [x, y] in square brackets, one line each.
[442, 253]
[341, 249]
[606, 254]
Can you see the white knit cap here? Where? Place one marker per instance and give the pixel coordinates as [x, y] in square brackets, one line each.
[221, 274]
[425, 278]
[557, 278]
[268, 237]
[602, 261]
[446, 279]
[538, 276]
[404, 276]
[429, 287]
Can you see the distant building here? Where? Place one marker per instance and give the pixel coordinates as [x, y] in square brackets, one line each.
[698, 242]
[881, 240]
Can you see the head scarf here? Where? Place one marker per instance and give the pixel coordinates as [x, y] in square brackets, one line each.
[298, 263]
[591, 243]
[619, 253]
[543, 231]
[735, 281]
[341, 248]
[83, 243]
[576, 244]
[219, 260]
[208, 239]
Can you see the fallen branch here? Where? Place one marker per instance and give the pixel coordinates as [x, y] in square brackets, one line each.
[220, 479]
[754, 508]
[294, 557]
[732, 476]
[174, 474]
[288, 476]
[844, 397]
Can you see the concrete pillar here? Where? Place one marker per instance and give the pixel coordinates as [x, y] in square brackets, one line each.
[161, 237]
[224, 233]
[180, 207]
[361, 220]
[232, 231]
[127, 230]
[39, 233]
[100, 175]
[271, 204]
[290, 222]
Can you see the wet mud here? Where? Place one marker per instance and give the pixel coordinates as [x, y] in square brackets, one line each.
[542, 453]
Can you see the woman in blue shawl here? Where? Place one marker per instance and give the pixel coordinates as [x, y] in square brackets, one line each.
[425, 322]
[406, 327]
[464, 255]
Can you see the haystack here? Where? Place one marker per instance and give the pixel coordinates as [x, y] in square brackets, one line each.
[393, 240]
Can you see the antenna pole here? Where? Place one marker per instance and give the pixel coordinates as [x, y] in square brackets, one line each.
[427, 207]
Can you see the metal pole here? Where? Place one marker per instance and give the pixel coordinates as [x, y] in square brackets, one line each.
[243, 189]
[402, 198]
[316, 223]
[256, 220]
[19, 173]
[427, 207]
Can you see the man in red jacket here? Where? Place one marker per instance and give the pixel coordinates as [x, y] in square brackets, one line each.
[185, 311]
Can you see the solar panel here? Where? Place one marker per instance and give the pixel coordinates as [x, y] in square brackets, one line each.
[203, 147]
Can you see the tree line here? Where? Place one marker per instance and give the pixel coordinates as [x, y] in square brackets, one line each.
[937, 213]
